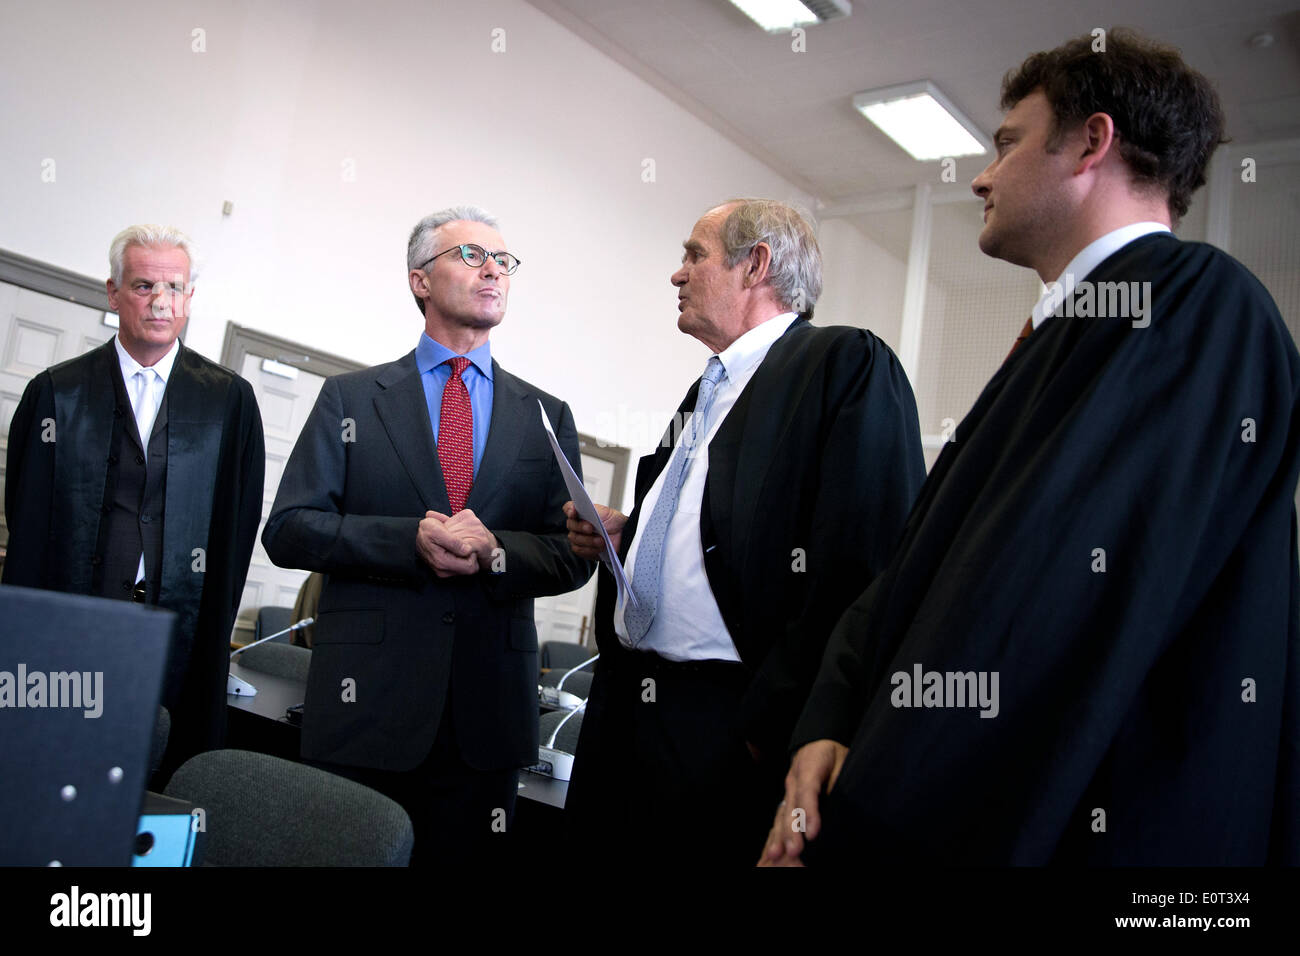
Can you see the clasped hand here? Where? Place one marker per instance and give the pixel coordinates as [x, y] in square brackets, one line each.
[456, 545]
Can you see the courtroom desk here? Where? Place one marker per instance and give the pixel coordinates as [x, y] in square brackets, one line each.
[258, 723]
[543, 789]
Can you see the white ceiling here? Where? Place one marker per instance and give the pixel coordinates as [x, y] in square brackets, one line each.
[793, 110]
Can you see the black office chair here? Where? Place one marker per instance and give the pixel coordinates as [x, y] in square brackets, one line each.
[281, 660]
[561, 655]
[271, 619]
[263, 811]
[567, 739]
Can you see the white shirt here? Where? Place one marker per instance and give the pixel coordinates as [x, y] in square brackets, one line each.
[687, 624]
[1089, 257]
[145, 387]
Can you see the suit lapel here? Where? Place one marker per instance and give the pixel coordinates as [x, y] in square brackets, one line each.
[743, 451]
[160, 420]
[195, 413]
[505, 435]
[404, 412]
[124, 400]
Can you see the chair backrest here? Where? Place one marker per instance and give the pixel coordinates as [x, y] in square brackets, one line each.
[271, 619]
[282, 660]
[260, 810]
[567, 738]
[559, 655]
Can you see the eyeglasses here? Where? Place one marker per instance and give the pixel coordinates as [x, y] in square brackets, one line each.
[475, 256]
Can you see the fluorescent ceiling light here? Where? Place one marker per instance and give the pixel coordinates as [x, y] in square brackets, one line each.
[922, 120]
[773, 15]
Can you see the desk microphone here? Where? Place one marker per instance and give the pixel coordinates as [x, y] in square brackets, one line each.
[556, 696]
[551, 761]
[242, 688]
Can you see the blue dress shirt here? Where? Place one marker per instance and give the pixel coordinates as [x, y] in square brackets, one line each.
[429, 359]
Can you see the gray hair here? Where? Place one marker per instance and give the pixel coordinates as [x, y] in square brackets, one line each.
[795, 273]
[149, 234]
[419, 248]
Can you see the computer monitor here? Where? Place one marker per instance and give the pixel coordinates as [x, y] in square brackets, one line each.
[80, 680]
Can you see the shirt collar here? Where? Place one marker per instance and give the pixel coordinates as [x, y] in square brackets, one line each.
[748, 350]
[430, 354]
[130, 366]
[1089, 257]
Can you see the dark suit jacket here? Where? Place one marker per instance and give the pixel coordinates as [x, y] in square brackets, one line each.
[361, 477]
[811, 476]
[54, 500]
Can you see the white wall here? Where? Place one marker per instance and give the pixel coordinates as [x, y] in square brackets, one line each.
[550, 134]
[863, 282]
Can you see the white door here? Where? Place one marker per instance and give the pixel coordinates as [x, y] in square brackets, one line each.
[38, 331]
[285, 396]
[570, 617]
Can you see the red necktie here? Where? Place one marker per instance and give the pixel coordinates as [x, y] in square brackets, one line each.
[1024, 334]
[456, 436]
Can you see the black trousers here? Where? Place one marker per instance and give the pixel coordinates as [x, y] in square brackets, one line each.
[663, 772]
[461, 816]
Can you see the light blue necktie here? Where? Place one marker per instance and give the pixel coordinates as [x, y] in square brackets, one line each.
[650, 550]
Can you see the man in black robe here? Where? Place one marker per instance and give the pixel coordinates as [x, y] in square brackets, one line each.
[798, 457]
[1085, 649]
[135, 472]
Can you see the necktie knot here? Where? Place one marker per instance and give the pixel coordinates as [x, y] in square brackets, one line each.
[1024, 334]
[458, 365]
[713, 372]
[699, 427]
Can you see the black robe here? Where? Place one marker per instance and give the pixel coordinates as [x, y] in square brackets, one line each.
[810, 477]
[54, 495]
[1148, 713]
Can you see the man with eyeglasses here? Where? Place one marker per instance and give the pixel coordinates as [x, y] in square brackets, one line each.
[135, 473]
[426, 491]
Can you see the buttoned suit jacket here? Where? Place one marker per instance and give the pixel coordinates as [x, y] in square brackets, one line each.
[393, 642]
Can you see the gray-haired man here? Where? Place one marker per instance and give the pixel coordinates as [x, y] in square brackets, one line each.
[426, 491]
[135, 472]
[752, 531]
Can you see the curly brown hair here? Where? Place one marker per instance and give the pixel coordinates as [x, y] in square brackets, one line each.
[1167, 116]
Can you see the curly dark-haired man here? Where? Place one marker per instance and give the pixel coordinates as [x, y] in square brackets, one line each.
[1085, 649]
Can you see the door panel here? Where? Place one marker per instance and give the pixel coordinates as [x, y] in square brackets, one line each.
[37, 331]
[285, 403]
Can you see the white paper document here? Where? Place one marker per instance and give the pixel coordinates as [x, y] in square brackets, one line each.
[587, 511]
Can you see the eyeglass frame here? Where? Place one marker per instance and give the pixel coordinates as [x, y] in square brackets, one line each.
[461, 247]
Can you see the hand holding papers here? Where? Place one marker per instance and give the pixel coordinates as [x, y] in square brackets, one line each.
[587, 512]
